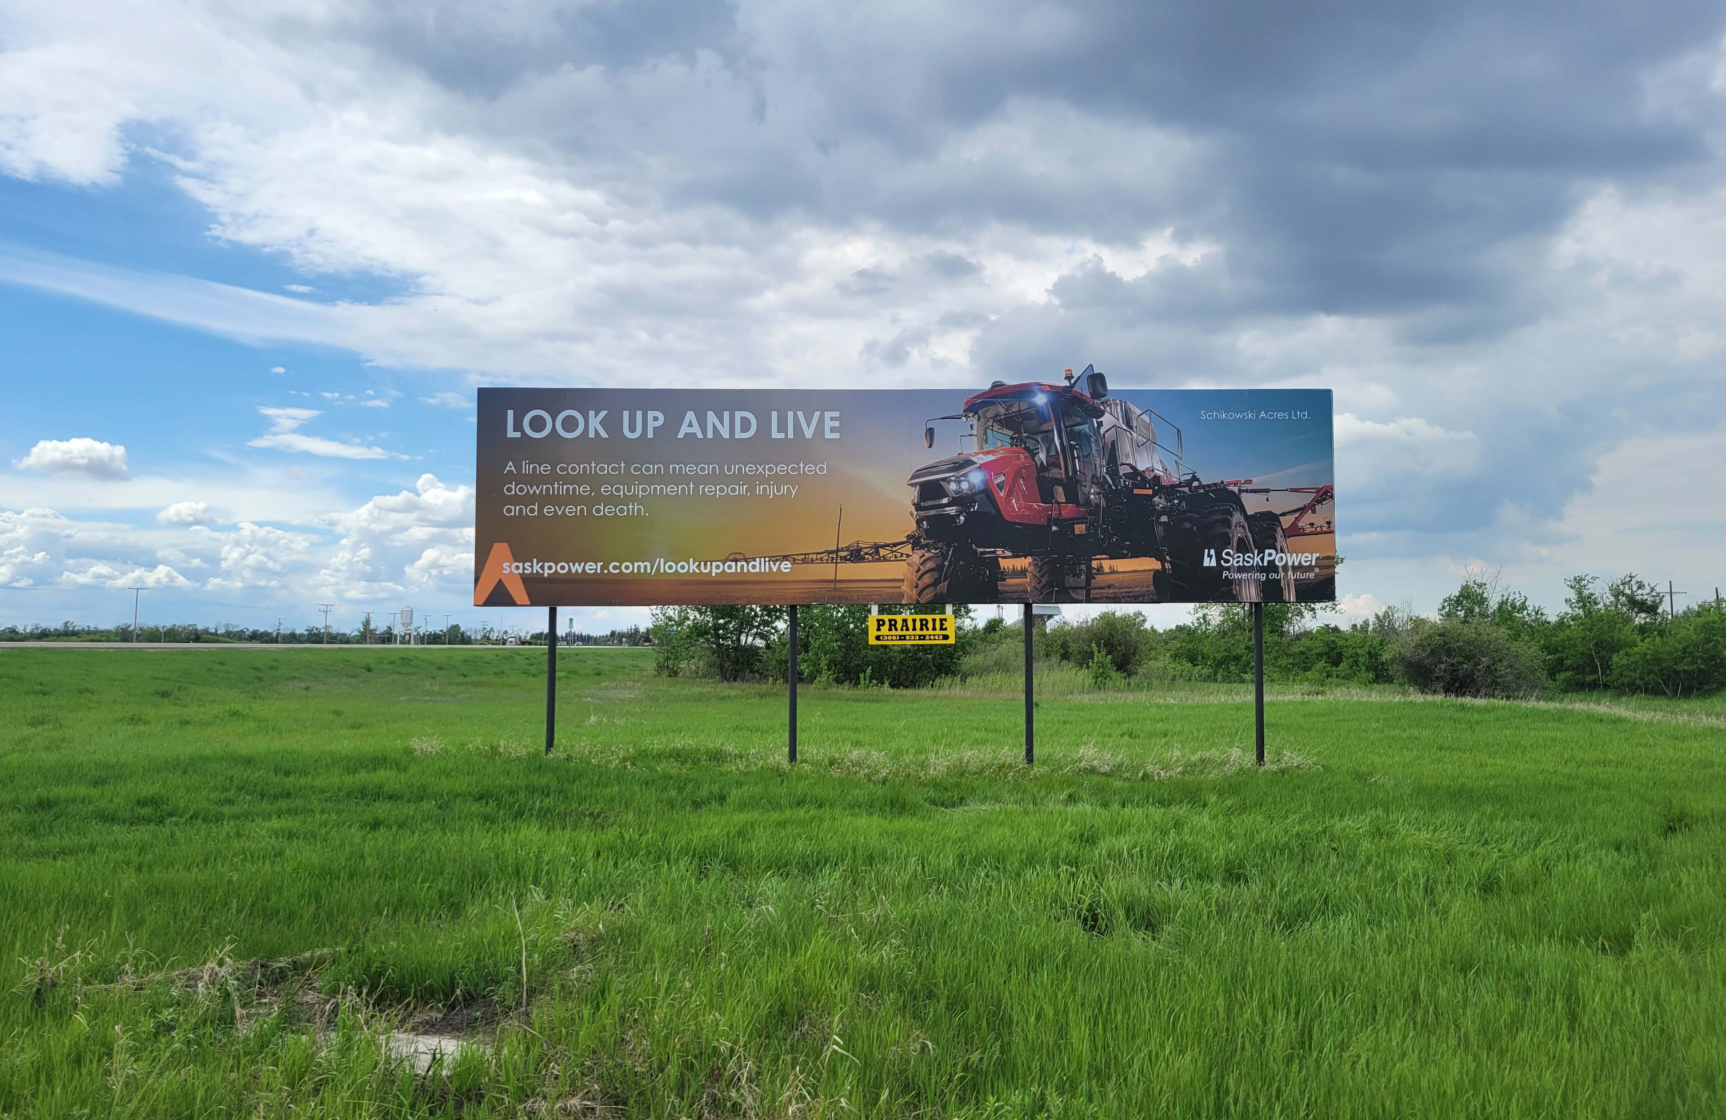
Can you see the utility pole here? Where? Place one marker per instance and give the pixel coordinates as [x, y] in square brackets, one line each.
[446, 629]
[278, 631]
[1672, 600]
[326, 608]
[136, 591]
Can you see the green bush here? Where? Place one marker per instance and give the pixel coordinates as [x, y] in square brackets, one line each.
[1685, 657]
[1474, 658]
[1217, 645]
[1122, 637]
[1101, 671]
[1597, 626]
[725, 642]
[1329, 654]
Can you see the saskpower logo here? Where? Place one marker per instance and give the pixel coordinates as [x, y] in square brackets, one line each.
[1266, 558]
[500, 567]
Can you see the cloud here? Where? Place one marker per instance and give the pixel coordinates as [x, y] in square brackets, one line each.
[418, 540]
[1622, 523]
[257, 556]
[233, 488]
[284, 435]
[287, 419]
[186, 513]
[45, 548]
[1355, 608]
[24, 558]
[449, 400]
[1410, 445]
[152, 579]
[82, 455]
[1395, 475]
[277, 369]
[222, 309]
[440, 566]
[180, 558]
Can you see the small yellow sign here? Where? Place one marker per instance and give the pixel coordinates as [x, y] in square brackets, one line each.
[891, 629]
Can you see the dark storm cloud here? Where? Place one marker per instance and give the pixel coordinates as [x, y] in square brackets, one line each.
[867, 282]
[1356, 159]
[951, 266]
[485, 48]
[1366, 159]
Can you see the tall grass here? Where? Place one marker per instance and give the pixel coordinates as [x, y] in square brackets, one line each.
[1428, 909]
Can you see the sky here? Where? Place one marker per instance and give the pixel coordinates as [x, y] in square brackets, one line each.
[254, 260]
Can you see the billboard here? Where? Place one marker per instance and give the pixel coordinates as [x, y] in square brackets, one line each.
[1046, 492]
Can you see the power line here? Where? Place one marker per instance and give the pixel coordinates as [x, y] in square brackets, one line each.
[170, 590]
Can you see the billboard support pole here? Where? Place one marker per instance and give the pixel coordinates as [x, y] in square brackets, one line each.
[791, 684]
[550, 680]
[1259, 682]
[1030, 718]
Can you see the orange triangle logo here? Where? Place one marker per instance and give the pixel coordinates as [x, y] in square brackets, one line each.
[498, 569]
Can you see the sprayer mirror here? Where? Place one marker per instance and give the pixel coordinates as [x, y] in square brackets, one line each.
[1096, 386]
[929, 436]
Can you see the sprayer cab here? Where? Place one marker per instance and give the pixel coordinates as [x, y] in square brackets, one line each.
[1059, 474]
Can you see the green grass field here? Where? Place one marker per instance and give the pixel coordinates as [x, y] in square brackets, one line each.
[227, 877]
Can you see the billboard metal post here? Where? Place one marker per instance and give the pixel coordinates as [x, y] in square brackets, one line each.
[1030, 735]
[791, 683]
[550, 680]
[1259, 682]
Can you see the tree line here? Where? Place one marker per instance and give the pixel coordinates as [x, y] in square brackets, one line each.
[192, 632]
[363, 634]
[1482, 641]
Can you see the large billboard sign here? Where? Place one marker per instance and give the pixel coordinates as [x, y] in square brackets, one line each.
[1045, 492]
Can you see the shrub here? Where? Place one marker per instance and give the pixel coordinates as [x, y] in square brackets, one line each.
[1218, 645]
[1460, 658]
[1101, 671]
[1123, 638]
[1596, 626]
[727, 642]
[1686, 657]
[1329, 654]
